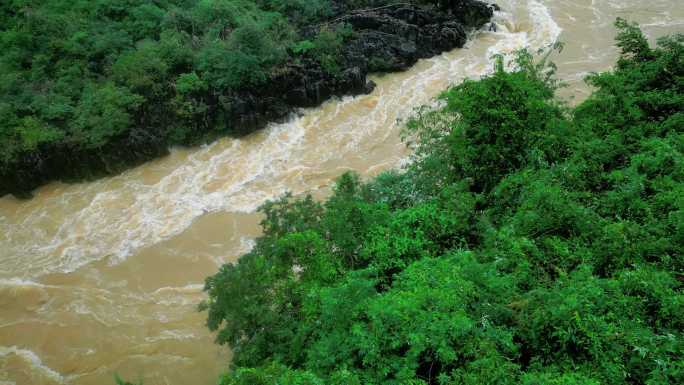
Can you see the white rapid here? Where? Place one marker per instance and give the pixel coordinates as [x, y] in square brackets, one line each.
[104, 277]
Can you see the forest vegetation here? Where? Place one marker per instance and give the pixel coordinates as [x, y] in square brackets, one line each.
[529, 242]
[90, 87]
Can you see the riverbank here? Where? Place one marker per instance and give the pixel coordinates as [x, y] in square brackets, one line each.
[148, 105]
[528, 242]
[124, 257]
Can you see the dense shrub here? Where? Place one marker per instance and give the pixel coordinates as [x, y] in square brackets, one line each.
[527, 243]
[83, 81]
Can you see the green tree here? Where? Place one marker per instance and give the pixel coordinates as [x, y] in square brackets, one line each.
[104, 111]
[528, 243]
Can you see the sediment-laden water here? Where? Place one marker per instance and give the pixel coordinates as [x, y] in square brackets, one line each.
[104, 277]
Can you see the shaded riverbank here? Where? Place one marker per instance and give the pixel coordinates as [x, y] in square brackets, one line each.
[332, 58]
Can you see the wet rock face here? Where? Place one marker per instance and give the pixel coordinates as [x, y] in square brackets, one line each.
[389, 38]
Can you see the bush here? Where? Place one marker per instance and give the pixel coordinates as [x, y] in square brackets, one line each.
[527, 243]
[56, 76]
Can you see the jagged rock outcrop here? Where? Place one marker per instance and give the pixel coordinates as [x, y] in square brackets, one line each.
[388, 38]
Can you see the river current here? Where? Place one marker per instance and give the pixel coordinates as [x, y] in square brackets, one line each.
[104, 277]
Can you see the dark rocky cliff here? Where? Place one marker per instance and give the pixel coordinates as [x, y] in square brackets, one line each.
[384, 39]
[389, 38]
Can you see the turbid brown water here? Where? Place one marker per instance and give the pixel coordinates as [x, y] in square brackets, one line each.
[104, 277]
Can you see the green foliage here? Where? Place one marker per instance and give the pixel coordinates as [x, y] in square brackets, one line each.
[228, 69]
[190, 83]
[527, 243]
[81, 78]
[326, 47]
[505, 122]
[302, 47]
[102, 113]
[120, 381]
[26, 134]
[378, 64]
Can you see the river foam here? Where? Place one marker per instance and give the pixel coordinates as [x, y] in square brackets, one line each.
[35, 366]
[117, 216]
[139, 244]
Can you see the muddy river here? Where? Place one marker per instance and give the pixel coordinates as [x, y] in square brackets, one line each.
[104, 277]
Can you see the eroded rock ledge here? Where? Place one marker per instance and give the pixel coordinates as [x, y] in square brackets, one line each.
[389, 38]
[384, 39]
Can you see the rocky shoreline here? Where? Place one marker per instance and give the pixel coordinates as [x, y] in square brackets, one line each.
[384, 39]
[388, 39]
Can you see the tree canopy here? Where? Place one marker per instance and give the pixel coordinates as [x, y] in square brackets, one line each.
[528, 243]
[83, 83]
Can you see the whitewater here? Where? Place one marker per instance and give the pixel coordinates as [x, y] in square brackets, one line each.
[104, 276]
